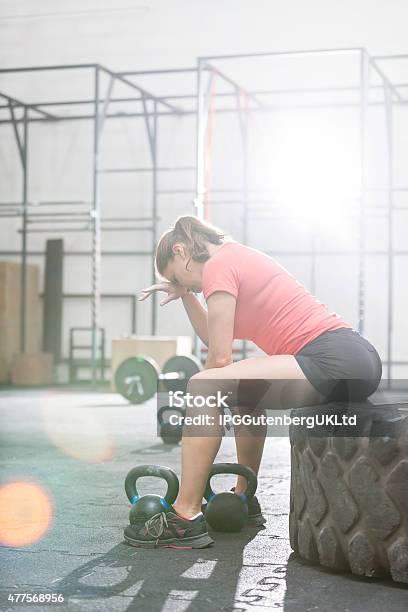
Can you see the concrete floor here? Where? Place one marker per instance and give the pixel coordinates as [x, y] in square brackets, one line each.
[78, 447]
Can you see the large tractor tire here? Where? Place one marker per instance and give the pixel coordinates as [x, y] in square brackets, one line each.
[349, 490]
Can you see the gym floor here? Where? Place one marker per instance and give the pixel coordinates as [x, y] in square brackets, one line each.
[77, 448]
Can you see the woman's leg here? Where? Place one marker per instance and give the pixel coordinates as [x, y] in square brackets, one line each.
[280, 394]
[199, 451]
[197, 457]
[249, 445]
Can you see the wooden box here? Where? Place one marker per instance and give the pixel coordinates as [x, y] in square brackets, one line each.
[32, 369]
[10, 304]
[159, 348]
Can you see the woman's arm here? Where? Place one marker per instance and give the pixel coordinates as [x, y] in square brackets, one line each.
[221, 316]
[197, 315]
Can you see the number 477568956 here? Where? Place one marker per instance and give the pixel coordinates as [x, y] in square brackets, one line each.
[36, 598]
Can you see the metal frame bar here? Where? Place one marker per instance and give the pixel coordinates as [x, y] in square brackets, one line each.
[200, 164]
[154, 145]
[10, 253]
[96, 230]
[386, 80]
[364, 80]
[100, 67]
[144, 93]
[19, 104]
[192, 96]
[390, 260]
[80, 218]
[397, 56]
[301, 53]
[17, 133]
[158, 71]
[22, 145]
[89, 117]
[234, 84]
[105, 105]
[57, 230]
[23, 303]
[47, 68]
[243, 119]
[193, 112]
[152, 169]
[198, 201]
[305, 253]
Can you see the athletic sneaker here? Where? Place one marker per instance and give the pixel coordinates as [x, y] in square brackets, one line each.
[255, 516]
[169, 530]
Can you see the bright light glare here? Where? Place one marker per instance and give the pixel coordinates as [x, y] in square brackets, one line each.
[314, 166]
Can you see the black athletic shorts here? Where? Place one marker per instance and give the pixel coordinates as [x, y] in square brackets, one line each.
[342, 365]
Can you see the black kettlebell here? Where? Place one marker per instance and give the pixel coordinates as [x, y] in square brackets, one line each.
[227, 511]
[146, 506]
[170, 434]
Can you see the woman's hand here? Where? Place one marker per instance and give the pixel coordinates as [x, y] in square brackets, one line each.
[173, 291]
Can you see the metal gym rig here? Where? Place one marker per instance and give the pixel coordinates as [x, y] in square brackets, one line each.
[201, 104]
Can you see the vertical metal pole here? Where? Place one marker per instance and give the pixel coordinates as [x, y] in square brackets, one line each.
[71, 366]
[200, 166]
[133, 316]
[364, 65]
[245, 188]
[96, 232]
[203, 95]
[243, 119]
[200, 136]
[390, 170]
[154, 215]
[23, 297]
[102, 353]
[243, 122]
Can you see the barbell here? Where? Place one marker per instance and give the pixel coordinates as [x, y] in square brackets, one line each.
[136, 378]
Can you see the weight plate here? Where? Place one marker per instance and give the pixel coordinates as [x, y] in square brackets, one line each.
[188, 365]
[136, 379]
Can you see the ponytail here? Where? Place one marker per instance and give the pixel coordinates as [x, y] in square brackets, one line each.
[194, 234]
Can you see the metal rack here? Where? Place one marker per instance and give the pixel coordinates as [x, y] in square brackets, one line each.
[91, 219]
[151, 108]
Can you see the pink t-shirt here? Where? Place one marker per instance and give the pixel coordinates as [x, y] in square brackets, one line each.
[272, 308]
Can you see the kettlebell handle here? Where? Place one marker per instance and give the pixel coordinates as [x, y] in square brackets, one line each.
[158, 471]
[164, 409]
[233, 468]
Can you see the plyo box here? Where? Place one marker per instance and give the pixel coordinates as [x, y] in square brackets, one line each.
[159, 348]
[10, 305]
[32, 369]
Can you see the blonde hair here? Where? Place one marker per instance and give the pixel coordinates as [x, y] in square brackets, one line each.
[194, 234]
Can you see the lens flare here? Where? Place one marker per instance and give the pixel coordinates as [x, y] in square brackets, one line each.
[76, 430]
[25, 513]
